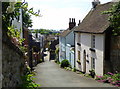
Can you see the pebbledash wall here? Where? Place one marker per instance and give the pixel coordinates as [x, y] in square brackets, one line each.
[12, 64]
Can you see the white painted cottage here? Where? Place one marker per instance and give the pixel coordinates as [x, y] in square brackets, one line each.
[92, 39]
[66, 43]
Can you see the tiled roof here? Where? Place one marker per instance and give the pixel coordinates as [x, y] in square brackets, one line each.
[95, 21]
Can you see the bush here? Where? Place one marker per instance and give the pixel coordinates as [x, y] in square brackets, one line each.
[28, 82]
[65, 63]
[92, 73]
[110, 78]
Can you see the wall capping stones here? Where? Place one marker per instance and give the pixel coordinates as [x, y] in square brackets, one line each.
[8, 42]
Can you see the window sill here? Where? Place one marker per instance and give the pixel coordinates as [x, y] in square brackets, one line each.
[92, 49]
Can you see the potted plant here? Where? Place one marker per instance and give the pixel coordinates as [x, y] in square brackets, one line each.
[92, 73]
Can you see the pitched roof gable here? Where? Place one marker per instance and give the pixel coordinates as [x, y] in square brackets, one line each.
[66, 32]
[95, 21]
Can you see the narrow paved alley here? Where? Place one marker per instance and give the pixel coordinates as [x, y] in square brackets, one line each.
[49, 74]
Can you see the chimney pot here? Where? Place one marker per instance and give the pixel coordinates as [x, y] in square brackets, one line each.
[72, 20]
[72, 24]
[95, 3]
[79, 22]
[69, 20]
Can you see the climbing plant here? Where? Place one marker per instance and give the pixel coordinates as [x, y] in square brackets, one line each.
[114, 18]
[11, 10]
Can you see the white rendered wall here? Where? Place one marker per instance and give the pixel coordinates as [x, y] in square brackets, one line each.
[98, 54]
[77, 48]
[70, 38]
[61, 48]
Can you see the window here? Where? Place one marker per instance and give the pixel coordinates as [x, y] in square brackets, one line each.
[93, 41]
[78, 55]
[92, 63]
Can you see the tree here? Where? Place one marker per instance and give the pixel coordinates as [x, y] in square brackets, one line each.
[114, 18]
[10, 10]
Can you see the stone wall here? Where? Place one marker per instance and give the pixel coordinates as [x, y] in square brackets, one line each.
[12, 64]
[115, 53]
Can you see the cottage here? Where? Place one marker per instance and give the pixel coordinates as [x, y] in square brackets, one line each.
[66, 43]
[92, 39]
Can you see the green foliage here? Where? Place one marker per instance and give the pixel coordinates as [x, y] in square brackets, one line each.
[12, 32]
[110, 78]
[41, 31]
[22, 48]
[28, 82]
[40, 60]
[74, 69]
[65, 63]
[92, 73]
[68, 68]
[8, 16]
[88, 75]
[57, 51]
[44, 31]
[10, 11]
[26, 15]
[114, 18]
[27, 22]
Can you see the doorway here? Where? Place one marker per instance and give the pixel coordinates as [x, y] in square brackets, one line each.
[84, 61]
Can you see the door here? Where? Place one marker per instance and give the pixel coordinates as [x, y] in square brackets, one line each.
[84, 61]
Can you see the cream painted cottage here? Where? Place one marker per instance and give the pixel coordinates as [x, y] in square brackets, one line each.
[92, 39]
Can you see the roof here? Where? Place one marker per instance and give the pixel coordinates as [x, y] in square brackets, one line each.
[95, 21]
[67, 31]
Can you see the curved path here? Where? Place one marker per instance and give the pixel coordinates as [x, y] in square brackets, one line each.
[49, 74]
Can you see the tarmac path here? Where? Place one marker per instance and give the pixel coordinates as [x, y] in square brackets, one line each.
[49, 74]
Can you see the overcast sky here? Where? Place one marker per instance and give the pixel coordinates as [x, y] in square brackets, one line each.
[56, 13]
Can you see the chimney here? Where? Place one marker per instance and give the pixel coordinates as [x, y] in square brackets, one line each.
[79, 22]
[72, 23]
[95, 3]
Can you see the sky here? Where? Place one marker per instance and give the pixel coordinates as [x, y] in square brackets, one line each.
[56, 13]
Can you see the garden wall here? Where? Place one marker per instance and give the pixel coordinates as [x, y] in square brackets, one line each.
[115, 53]
[12, 64]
